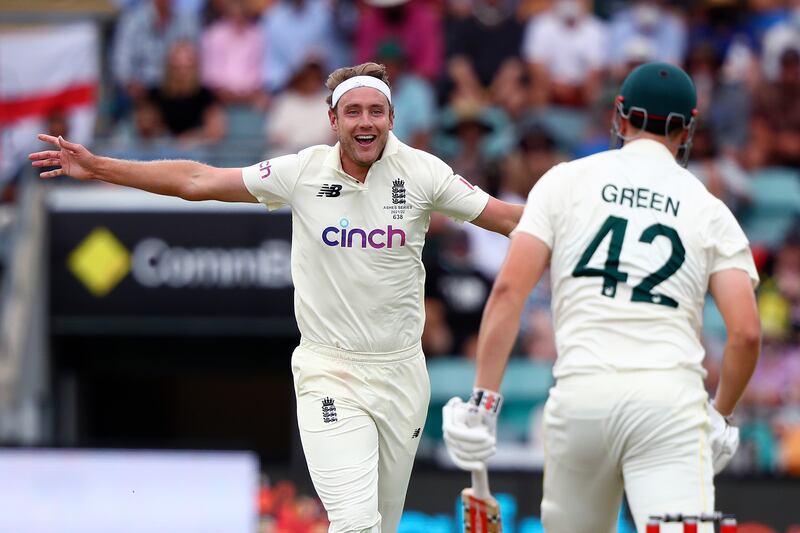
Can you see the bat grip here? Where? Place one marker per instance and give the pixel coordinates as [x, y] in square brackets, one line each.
[480, 484]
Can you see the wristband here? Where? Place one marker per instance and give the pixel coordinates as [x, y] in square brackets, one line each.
[727, 419]
[486, 401]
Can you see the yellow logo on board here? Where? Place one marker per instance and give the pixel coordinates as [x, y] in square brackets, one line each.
[100, 262]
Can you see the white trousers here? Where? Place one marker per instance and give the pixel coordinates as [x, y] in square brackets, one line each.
[360, 418]
[644, 431]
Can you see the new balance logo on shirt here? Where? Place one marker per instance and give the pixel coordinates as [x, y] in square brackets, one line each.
[329, 191]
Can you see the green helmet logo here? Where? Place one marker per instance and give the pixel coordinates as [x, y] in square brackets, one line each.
[658, 98]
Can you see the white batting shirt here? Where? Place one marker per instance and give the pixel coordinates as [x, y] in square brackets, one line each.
[356, 247]
[634, 239]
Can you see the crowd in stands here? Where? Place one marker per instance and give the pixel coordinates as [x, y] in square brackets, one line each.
[502, 90]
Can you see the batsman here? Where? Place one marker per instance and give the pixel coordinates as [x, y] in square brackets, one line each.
[633, 241]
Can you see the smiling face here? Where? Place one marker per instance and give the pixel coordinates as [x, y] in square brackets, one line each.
[362, 120]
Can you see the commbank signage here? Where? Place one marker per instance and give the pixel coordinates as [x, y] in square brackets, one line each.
[182, 264]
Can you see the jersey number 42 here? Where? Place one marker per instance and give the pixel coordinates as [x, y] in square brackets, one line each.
[611, 273]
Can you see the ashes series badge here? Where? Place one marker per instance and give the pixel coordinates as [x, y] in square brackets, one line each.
[398, 205]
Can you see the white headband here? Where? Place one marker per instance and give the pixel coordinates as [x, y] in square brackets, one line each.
[360, 81]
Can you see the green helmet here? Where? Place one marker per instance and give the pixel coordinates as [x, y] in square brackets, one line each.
[657, 98]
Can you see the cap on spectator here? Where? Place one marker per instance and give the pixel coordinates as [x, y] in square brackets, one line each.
[391, 51]
[638, 49]
[536, 138]
[469, 113]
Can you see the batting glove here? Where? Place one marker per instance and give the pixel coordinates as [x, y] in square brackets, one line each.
[724, 439]
[470, 428]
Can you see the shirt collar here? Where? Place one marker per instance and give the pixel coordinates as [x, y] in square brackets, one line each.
[649, 147]
[334, 161]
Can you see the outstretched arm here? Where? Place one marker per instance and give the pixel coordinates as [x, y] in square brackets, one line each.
[189, 180]
[526, 260]
[501, 217]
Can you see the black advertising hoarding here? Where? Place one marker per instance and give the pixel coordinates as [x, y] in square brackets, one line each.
[131, 261]
[769, 504]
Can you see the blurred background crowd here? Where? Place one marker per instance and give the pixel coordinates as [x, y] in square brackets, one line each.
[501, 90]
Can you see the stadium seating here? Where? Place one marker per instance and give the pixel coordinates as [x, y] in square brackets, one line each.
[245, 143]
[776, 204]
[524, 388]
[777, 188]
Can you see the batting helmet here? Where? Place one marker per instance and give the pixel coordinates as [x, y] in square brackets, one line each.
[657, 98]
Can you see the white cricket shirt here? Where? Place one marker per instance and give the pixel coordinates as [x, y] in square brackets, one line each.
[356, 247]
[634, 239]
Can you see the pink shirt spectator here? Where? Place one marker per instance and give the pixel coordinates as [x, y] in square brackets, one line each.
[418, 30]
[777, 377]
[233, 57]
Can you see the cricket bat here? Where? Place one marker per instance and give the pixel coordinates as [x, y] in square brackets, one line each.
[481, 511]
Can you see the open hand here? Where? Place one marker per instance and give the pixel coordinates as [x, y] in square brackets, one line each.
[71, 159]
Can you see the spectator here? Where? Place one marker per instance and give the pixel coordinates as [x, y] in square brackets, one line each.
[302, 103]
[539, 154]
[295, 30]
[189, 109]
[473, 137]
[282, 510]
[488, 43]
[233, 57]
[437, 338]
[636, 51]
[778, 39]
[729, 114]
[703, 65]
[717, 24]
[413, 23]
[461, 289]
[565, 48]
[762, 15]
[721, 173]
[534, 156]
[413, 97]
[510, 88]
[650, 21]
[779, 298]
[790, 445]
[144, 136]
[776, 123]
[141, 44]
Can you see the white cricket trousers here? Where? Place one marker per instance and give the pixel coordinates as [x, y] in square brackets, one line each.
[360, 417]
[644, 431]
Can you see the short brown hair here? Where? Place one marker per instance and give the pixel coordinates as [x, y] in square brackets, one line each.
[376, 70]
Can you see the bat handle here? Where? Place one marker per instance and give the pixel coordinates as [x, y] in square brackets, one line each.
[480, 484]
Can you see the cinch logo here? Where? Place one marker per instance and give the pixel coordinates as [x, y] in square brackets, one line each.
[357, 237]
[264, 169]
